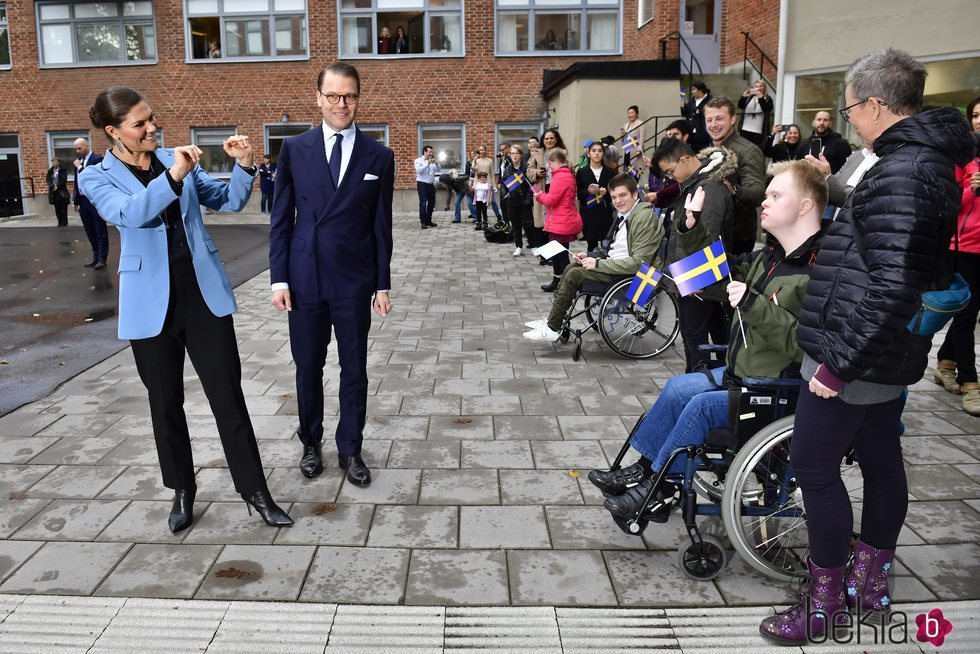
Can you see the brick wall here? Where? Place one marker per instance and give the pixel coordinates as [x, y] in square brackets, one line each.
[760, 18]
[479, 89]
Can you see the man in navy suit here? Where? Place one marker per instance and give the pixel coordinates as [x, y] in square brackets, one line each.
[329, 252]
[95, 227]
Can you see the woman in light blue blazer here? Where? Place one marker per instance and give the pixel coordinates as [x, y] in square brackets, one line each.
[174, 294]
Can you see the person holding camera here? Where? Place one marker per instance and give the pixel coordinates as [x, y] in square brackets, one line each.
[426, 167]
[786, 149]
[756, 107]
[827, 142]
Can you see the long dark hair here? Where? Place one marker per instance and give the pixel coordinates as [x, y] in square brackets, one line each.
[558, 142]
[112, 106]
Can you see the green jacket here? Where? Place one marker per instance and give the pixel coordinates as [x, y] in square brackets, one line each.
[750, 185]
[770, 308]
[644, 232]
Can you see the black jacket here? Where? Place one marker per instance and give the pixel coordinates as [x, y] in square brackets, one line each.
[521, 196]
[858, 303]
[835, 148]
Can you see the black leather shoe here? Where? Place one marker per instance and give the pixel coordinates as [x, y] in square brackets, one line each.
[432, 224]
[91, 263]
[269, 510]
[357, 473]
[551, 287]
[312, 462]
[182, 513]
[618, 481]
[99, 265]
[628, 504]
[425, 226]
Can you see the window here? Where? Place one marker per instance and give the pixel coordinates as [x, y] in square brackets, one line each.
[644, 12]
[516, 134]
[377, 132]
[246, 29]
[211, 141]
[96, 33]
[276, 133]
[419, 27]
[448, 141]
[61, 145]
[4, 39]
[558, 26]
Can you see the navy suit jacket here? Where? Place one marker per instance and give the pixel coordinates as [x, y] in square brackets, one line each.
[77, 197]
[332, 243]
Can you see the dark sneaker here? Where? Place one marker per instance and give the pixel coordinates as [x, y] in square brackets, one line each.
[628, 504]
[618, 481]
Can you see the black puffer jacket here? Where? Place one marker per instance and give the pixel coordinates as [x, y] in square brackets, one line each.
[858, 304]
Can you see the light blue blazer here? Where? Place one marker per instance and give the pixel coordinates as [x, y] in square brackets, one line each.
[144, 263]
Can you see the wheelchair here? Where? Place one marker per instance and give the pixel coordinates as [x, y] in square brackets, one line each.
[744, 475]
[631, 332]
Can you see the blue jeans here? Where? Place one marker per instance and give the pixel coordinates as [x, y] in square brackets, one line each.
[459, 200]
[688, 408]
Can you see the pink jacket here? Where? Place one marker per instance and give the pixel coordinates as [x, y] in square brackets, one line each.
[562, 216]
[968, 221]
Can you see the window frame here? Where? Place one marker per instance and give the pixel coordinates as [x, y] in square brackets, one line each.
[584, 8]
[428, 10]
[5, 25]
[72, 22]
[67, 134]
[516, 124]
[642, 20]
[196, 133]
[376, 127]
[463, 153]
[266, 141]
[222, 14]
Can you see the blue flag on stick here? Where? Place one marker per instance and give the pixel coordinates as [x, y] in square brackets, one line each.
[644, 285]
[591, 201]
[701, 269]
[631, 143]
[514, 181]
[634, 171]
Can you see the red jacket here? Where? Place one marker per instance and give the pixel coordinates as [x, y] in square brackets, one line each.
[968, 221]
[562, 216]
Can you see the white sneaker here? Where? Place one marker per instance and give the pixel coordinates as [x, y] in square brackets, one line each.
[542, 333]
[533, 324]
[518, 252]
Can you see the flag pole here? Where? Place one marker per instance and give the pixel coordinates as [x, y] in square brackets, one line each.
[741, 325]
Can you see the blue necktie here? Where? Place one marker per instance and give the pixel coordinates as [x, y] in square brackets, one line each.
[335, 157]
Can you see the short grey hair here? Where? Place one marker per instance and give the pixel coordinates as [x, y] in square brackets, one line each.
[893, 76]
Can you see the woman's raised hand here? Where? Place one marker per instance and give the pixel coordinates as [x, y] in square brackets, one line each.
[238, 148]
[185, 158]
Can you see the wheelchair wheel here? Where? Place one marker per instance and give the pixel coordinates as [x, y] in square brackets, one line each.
[635, 333]
[702, 561]
[762, 506]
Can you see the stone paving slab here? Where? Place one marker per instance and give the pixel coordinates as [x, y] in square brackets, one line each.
[480, 443]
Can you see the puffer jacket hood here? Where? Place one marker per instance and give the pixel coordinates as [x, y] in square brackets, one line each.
[864, 291]
[717, 163]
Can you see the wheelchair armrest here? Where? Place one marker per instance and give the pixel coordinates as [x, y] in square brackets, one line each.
[713, 348]
[779, 382]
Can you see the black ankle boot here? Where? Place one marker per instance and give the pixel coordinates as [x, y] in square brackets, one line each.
[182, 513]
[550, 288]
[267, 508]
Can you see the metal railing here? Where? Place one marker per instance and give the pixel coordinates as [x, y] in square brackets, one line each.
[691, 62]
[763, 60]
[659, 127]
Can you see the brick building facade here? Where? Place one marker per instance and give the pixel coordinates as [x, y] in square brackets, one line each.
[478, 88]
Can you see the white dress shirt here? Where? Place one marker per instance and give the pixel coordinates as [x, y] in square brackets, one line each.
[619, 248]
[346, 147]
[425, 172]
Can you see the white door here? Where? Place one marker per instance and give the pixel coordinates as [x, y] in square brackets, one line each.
[701, 31]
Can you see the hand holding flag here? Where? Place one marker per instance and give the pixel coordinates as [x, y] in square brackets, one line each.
[701, 269]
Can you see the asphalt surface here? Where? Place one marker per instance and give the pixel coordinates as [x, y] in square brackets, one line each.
[58, 318]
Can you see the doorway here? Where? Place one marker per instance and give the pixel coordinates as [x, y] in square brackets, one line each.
[11, 196]
[701, 31]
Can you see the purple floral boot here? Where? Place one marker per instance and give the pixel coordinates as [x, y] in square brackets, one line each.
[820, 601]
[867, 580]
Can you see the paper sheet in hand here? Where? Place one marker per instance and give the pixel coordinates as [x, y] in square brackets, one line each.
[535, 188]
[549, 249]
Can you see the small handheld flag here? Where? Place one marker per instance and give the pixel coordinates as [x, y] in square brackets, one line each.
[634, 171]
[591, 201]
[630, 143]
[644, 285]
[514, 181]
[701, 269]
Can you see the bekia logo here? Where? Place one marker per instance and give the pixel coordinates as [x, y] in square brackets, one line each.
[933, 627]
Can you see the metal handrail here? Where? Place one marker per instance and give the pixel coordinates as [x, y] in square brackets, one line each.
[692, 60]
[657, 130]
[763, 59]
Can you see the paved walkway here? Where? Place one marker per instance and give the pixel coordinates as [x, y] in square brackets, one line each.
[479, 441]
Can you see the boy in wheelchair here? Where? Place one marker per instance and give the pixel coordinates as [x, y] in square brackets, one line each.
[634, 237]
[768, 291]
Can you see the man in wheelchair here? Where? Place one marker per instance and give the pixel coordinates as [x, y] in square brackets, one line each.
[634, 237]
[768, 291]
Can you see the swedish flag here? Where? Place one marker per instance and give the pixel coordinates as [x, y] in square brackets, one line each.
[514, 181]
[644, 285]
[701, 269]
[631, 142]
[634, 171]
[591, 201]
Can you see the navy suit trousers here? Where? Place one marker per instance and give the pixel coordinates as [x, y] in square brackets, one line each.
[310, 322]
[96, 230]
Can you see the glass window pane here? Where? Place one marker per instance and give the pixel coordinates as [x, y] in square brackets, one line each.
[275, 134]
[400, 4]
[602, 31]
[56, 41]
[4, 47]
[141, 42]
[291, 35]
[355, 35]
[55, 12]
[98, 42]
[138, 8]
[61, 147]
[516, 134]
[446, 34]
[204, 31]
[96, 10]
[247, 6]
[355, 4]
[246, 38]
[557, 31]
[449, 4]
[513, 3]
[378, 132]
[446, 140]
[512, 32]
[213, 157]
[202, 6]
[290, 5]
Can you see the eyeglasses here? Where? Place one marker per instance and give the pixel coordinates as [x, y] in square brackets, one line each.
[334, 98]
[845, 113]
[669, 174]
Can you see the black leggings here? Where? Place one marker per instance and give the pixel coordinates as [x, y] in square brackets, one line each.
[823, 432]
[959, 343]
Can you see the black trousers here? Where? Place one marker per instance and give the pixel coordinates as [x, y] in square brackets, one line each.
[521, 218]
[61, 212]
[210, 341]
[701, 322]
[95, 230]
[958, 345]
[427, 201]
[823, 432]
[309, 335]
